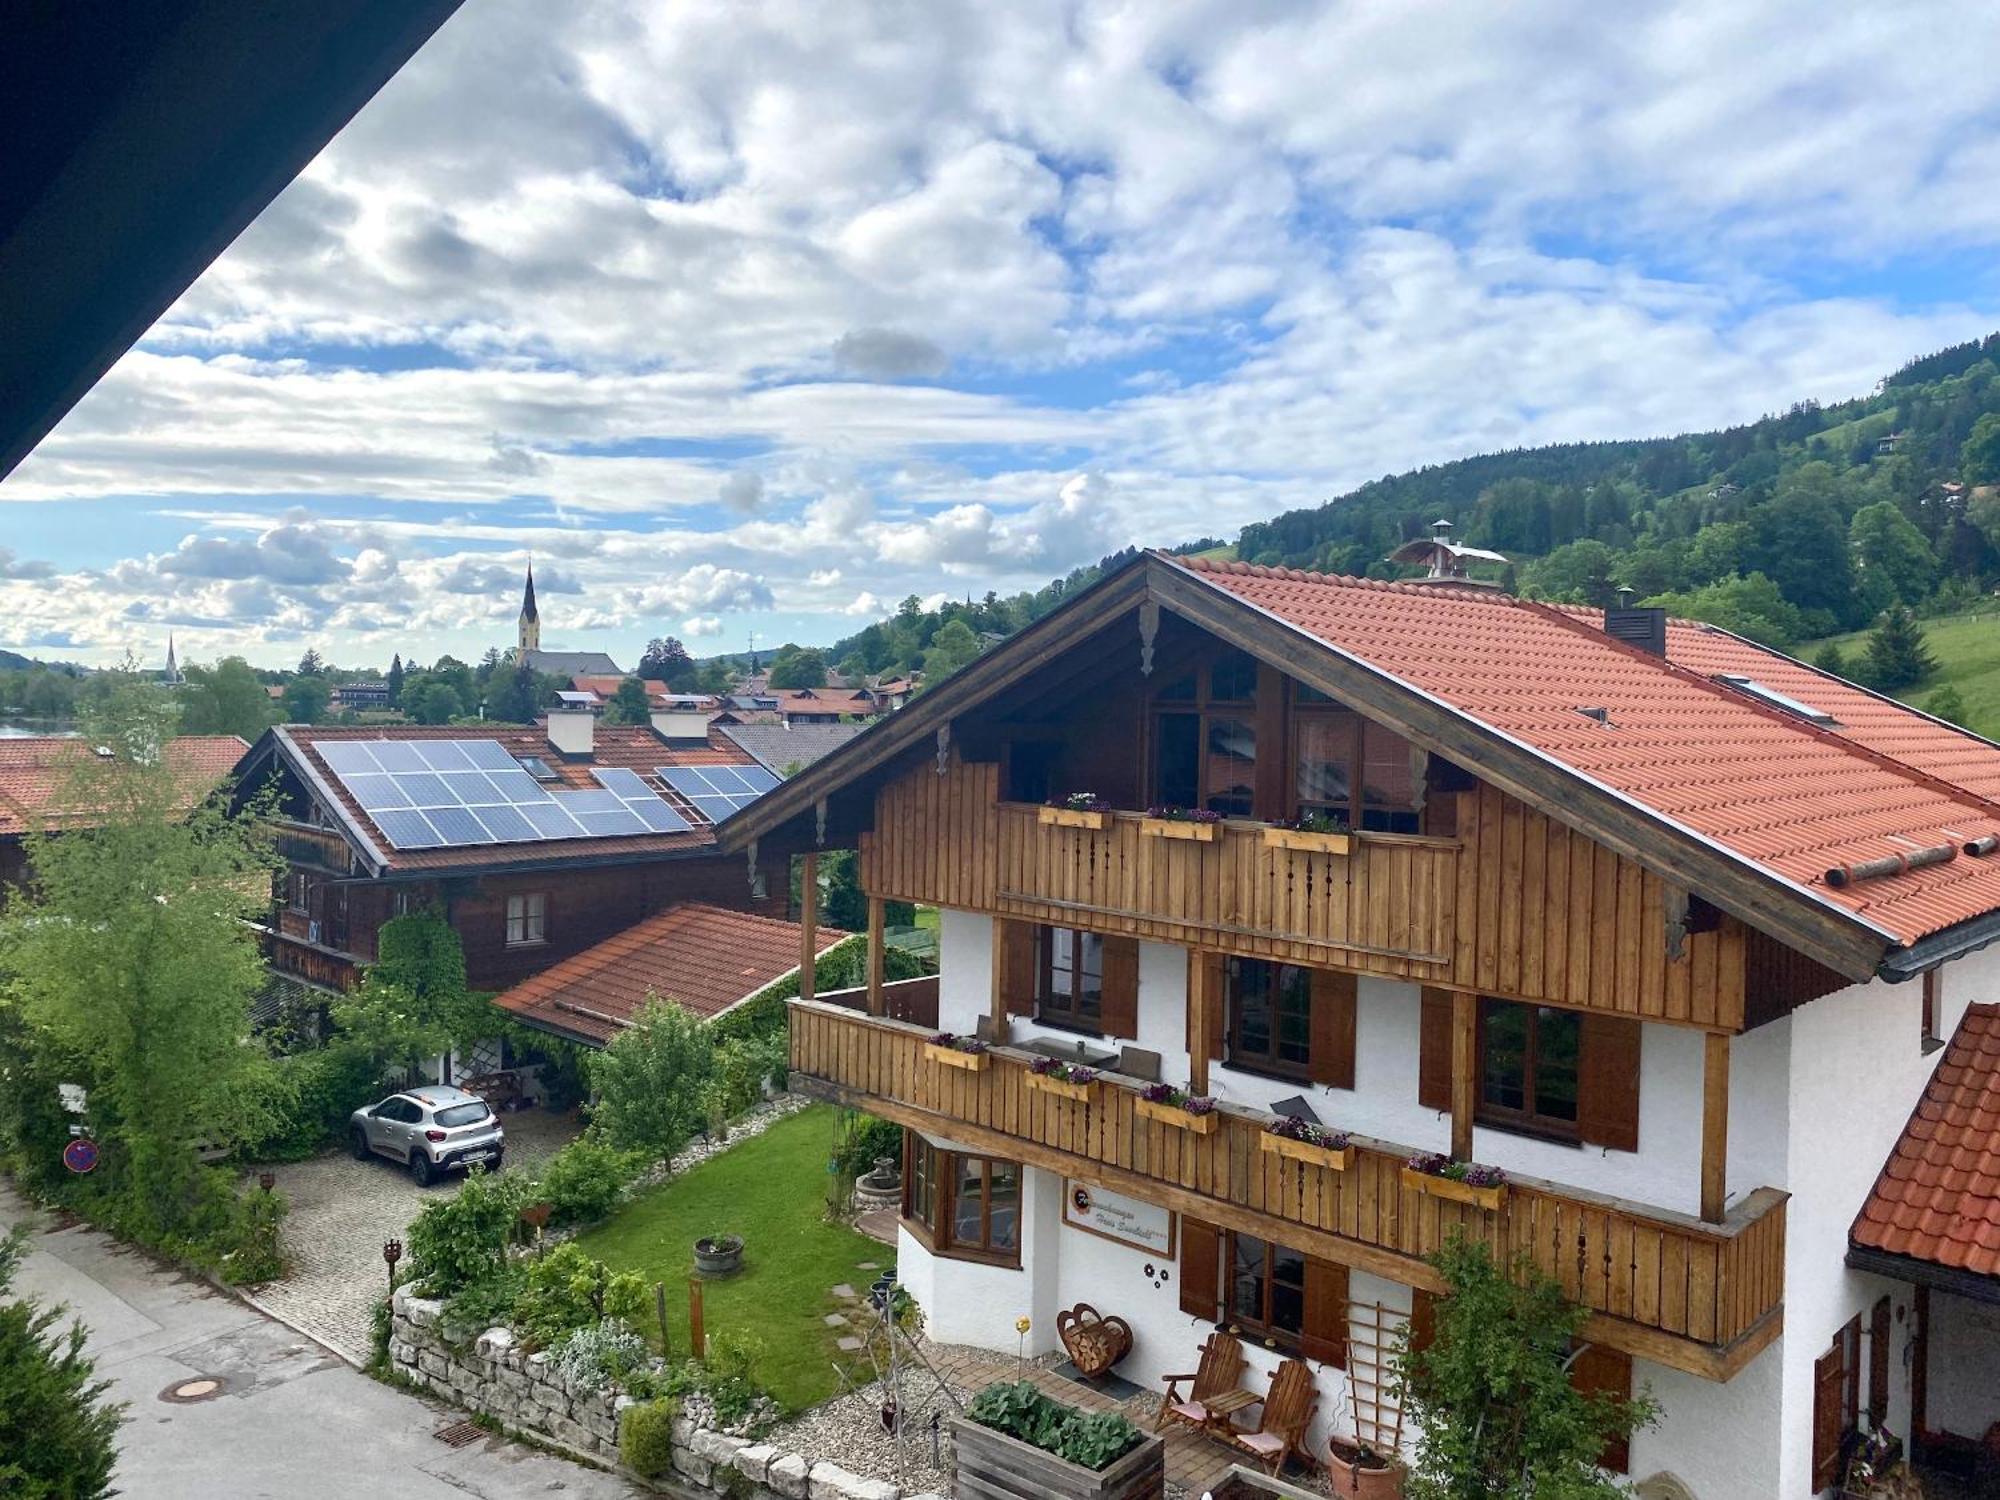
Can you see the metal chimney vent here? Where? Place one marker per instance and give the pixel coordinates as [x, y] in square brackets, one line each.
[1644, 628]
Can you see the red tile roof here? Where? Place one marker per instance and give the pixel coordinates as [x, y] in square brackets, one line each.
[1938, 1198]
[607, 687]
[634, 747]
[702, 957]
[35, 771]
[1761, 784]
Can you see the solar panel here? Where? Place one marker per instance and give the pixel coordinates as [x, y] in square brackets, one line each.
[640, 800]
[444, 755]
[621, 820]
[346, 756]
[398, 755]
[490, 755]
[457, 825]
[518, 786]
[507, 825]
[621, 783]
[374, 790]
[473, 788]
[658, 817]
[426, 790]
[718, 791]
[588, 802]
[551, 820]
[407, 830]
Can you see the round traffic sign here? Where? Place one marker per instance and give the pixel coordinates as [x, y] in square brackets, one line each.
[80, 1155]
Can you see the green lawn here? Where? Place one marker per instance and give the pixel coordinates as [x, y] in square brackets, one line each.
[772, 1191]
[1967, 648]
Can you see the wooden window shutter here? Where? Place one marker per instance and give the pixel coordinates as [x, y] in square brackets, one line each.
[1017, 966]
[1323, 1325]
[1850, 1355]
[1434, 1051]
[1333, 1008]
[1608, 1082]
[1878, 1362]
[1201, 1269]
[1609, 1371]
[1423, 1318]
[1829, 1385]
[1120, 1013]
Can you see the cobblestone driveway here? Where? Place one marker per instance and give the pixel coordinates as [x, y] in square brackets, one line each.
[342, 1211]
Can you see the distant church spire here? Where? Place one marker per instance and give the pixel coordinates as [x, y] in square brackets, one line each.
[531, 619]
[173, 667]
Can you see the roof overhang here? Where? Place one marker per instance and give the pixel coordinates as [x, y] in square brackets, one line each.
[1928, 1273]
[141, 140]
[1839, 939]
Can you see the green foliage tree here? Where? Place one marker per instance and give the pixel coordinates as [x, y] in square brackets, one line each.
[715, 678]
[414, 1001]
[306, 699]
[1829, 660]
[1892, 555]
[1947, 704]
[843, 903]
[310, 664]
[58, 1433]
[798, 667]
[513, 694]
[652, 1081]
[434, 703]
[629, 705]
[953, 647]
[1979, 455]
[667, 660]
[1898, 658]
[1491, 1394]
[1799, 540]
[1575, 573]
[226, 698]
[1754, 607]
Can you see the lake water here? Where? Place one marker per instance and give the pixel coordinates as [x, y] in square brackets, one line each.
[21, 729]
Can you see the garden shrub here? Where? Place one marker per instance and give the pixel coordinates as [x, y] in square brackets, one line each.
[599, 1355]
[309, 1097]
[566, 1289]
[742, 1066]
[463, 1239]
[652, 1081]
[867, 1138]
[58, 1433]
[1021, 1410]
[583, 1182]
[485, 1303]
[646, 1435]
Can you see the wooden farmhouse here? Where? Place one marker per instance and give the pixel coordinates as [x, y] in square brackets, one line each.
[1667, 928]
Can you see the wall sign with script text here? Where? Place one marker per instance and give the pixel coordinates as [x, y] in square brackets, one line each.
[1129, 1221]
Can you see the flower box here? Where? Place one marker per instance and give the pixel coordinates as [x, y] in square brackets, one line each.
[1048, 1083]
[1177, 828]
[1304, 842]
[1458, 1192]
[994, 1464]
[951, 1057]
[1336, 1159]
[1173, 1114]
[1072, 817]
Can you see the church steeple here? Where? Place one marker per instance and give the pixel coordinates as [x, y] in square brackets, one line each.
[531, 620]
[173, 672]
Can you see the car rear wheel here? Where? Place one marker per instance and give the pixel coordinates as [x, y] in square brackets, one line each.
[421, 1170]
[357, 1141]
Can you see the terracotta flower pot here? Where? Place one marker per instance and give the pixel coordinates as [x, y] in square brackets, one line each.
[1352, 1479]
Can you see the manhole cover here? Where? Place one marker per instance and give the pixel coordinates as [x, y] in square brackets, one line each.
[202, 1388]
[459, 1434]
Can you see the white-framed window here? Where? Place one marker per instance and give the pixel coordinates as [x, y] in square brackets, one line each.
[527, 919]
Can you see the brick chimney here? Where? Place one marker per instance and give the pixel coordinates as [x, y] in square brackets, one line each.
[573, 725]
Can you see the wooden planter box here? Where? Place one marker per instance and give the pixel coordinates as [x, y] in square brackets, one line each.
[951, 1057]
[1173, 1114]
[988, 1463]
[1458, 1192]
[1062, 1087]
[1305, 1151]
[1174, 828]
[1307, 843]
[1072, 817]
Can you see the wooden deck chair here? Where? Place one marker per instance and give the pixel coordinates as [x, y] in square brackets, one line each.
[1221, 1363]
[1281, 1431]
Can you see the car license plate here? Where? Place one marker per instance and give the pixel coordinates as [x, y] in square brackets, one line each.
[479, 1156]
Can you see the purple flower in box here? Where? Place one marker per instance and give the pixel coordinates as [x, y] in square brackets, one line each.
[1160, 1093]
[1045, 1067]
[1430, 1163]
[1198, 1104]
[1479, 1175]
[1177, 814]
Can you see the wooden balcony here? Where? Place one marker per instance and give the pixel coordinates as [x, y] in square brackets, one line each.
[312, 848]
[1699, 1297]
[314, 963]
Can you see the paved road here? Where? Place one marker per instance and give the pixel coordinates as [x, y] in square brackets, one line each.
[289, 1422]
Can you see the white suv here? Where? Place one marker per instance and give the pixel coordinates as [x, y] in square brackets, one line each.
[433, 1129]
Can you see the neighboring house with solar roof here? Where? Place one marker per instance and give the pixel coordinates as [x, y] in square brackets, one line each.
[1669, 929]
[535, 842]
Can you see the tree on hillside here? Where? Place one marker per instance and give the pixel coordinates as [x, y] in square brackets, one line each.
[629, 705]
[666, 660]
[1979, 456]
[1829, 660]
[1751, 607]
[1897, 655]
[953, 647]
[306, 699]
[226, 698]
[396, 680]
[798, 667]
[1895, 561]
[1947, 704]
[1575, 573]
[58, 1433]
[310, 664]
[1798, 540]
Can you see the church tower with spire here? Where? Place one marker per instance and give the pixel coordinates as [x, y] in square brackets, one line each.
[531, 620]
[172, 676]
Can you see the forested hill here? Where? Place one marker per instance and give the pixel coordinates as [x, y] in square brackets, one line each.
[1791, 528]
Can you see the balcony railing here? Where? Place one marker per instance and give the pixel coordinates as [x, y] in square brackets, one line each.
[313, 962]
[1699, 1297]
[315, 848]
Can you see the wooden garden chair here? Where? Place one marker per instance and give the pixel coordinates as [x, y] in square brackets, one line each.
[1212, 1391]
[1281, 1430]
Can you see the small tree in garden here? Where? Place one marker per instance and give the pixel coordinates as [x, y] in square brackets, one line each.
[1491, 1394]
[57, 1432]
[652, 1081]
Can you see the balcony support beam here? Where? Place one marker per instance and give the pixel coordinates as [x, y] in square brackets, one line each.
[1714, 1126]
[808, 924]
[1200, 1025]
[875, 1004]
[1464, 1071]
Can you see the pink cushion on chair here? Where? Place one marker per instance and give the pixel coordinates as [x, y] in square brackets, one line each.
[1260, 1442]
[1192, 1411]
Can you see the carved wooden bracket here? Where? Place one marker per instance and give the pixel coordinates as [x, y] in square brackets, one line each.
[819, 823]
[756, 874]
[1420, 776]
[1677, 922]
[943, 748]
[1149, 627]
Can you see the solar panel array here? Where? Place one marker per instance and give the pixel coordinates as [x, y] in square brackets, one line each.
[448, 794]
[717, 791]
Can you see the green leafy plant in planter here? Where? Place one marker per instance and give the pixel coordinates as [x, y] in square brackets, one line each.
[1092, 1440]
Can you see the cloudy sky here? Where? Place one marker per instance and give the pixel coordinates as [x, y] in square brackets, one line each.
[760, 317]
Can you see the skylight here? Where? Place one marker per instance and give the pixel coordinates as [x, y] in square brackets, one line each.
[1776, 699]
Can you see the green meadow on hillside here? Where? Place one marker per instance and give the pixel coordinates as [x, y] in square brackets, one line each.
[1967, 648]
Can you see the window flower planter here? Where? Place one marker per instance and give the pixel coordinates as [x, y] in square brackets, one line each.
[956, 1052]
[1177, 828]
[1048, 1075]
[1335, 1158]
[1303, 841]
[1172, 1114]
[1072, 817]
[1487, 1189]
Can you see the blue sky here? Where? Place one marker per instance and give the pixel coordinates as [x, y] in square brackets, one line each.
[746, 319]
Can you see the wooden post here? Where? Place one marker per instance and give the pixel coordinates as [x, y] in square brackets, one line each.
[875, 1002]
[697, 1338]
[1714, 1126]
[1199, 1025]
[996, 1023]
[1464, 1064]
[808, 924]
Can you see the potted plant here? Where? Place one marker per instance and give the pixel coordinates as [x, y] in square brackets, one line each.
[1194, 1113]
[1015, 1440]
[966, 1052]
[1304, 1141]
[1050, 1075]
[1310, 833]
[1077, 810]
[1358, 1472]
[1462, 1181]
[1175, 822]
[718, 1254]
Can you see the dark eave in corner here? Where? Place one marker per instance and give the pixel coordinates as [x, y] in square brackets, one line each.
[1968, 1284]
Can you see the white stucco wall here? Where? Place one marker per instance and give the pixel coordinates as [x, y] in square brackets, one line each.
[1964, 1392]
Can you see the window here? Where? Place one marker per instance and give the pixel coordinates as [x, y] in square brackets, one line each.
[1270, 1016]
[298, 891]
[1345, 767]
[1069, 978]
[527, 919]
[1206, 755]
[1267, 1287]
[463, 1114]
[963, 1206]
[1528, 1073]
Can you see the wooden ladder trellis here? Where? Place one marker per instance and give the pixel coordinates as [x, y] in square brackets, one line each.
[1374, 1394]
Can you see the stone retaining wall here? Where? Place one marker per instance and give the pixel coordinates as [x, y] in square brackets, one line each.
[496, 1377]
